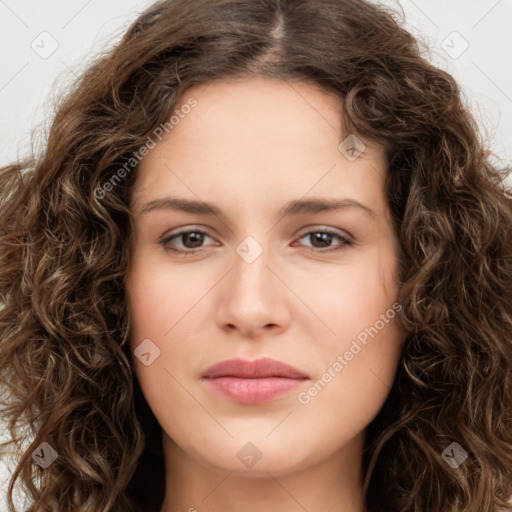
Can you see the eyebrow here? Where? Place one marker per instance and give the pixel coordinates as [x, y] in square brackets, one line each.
[292, 208]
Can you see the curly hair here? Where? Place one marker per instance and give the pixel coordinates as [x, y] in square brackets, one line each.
[65, 252]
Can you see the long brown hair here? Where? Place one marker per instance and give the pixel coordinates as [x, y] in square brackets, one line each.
[65, 241]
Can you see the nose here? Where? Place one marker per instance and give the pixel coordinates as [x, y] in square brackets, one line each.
[252, 299]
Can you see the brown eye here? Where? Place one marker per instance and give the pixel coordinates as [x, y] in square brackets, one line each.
[189, 239]
[323, 238]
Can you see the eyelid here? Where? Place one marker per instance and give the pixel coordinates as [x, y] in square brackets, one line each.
[322, 227]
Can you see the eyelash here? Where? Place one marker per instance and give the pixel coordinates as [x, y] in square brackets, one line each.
[346, 242]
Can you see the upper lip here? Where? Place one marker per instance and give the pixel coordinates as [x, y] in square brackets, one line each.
[258, 368]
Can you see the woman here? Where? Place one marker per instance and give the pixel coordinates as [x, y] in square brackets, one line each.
[264, 263]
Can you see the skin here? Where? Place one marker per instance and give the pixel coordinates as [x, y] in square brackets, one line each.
[250, 146]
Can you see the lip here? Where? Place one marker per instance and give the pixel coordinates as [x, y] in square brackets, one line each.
[253, 382]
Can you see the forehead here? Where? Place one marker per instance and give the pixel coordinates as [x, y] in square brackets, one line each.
[249, 134]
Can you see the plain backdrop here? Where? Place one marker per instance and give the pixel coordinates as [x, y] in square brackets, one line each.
[44, 45]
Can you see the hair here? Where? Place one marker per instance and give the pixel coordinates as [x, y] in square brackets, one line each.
[65, 252]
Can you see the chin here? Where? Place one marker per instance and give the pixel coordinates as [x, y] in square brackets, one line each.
[256, 459]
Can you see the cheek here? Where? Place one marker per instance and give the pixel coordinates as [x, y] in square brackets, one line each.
[161, 305]
[157, 302]
[348, 298]
[359, 307]
[356, 375]
[157, 298]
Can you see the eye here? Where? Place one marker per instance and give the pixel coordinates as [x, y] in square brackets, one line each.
[190, 239]
[322, 238]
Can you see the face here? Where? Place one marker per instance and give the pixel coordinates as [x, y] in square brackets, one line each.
[237, 255]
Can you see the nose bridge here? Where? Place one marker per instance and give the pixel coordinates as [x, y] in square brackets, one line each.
[251, 297]
[251, 279]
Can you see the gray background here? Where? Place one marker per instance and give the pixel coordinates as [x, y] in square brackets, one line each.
[44, 44]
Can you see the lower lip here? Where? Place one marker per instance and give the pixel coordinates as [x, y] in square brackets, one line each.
[253, 391]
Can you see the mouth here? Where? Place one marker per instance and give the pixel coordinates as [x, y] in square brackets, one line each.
[253, 382]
